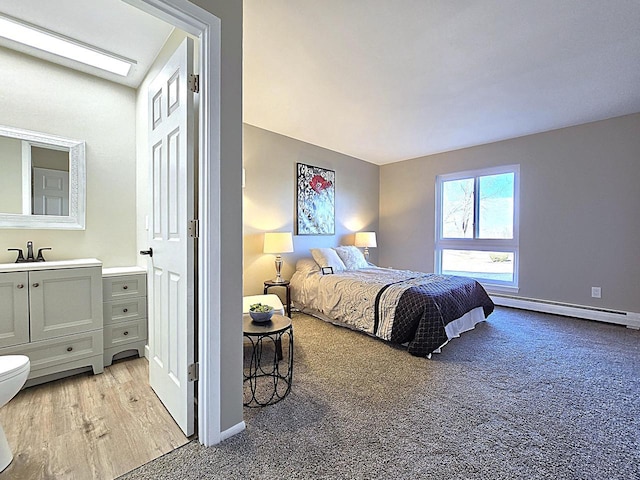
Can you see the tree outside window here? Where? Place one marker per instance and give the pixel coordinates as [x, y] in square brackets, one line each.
[476, 224]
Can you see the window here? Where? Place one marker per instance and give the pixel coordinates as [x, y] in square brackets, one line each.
[477, 225]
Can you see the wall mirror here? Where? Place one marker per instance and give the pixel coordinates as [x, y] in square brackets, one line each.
[43, 181]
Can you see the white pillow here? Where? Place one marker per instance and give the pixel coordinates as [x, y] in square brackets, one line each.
[327, 257]
[352, 257]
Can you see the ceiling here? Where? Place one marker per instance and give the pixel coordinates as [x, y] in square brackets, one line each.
[110, 25]
[386, 81]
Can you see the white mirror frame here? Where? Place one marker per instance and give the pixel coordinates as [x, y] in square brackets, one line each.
[77, 182]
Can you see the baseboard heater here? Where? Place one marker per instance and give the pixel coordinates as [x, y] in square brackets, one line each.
[629, 319]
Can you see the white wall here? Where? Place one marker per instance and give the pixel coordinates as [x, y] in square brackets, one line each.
[11, 178]
[37, 95]
[579, 200]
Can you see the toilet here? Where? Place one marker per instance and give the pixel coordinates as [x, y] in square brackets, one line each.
[14, 370]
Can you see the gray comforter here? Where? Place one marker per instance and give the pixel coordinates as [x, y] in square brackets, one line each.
[399, 306]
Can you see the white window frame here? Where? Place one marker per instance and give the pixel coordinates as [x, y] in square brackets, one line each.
[510, 245]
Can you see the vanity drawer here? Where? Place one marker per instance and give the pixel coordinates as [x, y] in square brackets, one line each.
[57, 351]
[125, 332]
[122, 310]
[124, 286]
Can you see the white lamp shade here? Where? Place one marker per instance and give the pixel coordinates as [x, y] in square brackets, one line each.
[278, 242]
[366, 239]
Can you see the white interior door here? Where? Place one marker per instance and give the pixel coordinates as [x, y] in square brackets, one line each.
[50, 192]
[171, 268]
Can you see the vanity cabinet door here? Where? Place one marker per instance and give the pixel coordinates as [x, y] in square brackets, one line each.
[14, 309]
[65, 301]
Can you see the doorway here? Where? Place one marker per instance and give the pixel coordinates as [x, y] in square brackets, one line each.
[207, 28]
[183, 13]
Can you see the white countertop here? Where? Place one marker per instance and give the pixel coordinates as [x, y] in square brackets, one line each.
[27, 266]
[115, 271]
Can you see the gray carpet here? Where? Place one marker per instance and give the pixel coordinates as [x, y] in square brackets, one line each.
[524, 395]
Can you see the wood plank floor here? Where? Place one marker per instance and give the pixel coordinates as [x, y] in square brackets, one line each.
[88, 426]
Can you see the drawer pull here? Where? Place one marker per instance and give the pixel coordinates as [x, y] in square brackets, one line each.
[20, 285]
[69, 349]
[125, 287]
[36, 285]
[125, 310]
[126, 333]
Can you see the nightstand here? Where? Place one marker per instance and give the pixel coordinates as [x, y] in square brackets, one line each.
[270, 283]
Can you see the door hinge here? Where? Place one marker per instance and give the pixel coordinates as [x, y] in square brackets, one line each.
[194, 228]
[192, 372]
[194, 82]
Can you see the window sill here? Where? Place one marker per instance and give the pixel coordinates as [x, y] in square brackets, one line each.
[490, 288]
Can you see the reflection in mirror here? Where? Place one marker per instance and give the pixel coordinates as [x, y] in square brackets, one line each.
[43, 181]
[49, 181]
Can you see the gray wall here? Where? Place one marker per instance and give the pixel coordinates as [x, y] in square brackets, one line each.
[269, 200]
[230, 14]
[579, 222]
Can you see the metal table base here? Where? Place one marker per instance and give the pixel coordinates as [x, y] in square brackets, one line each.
[268, 368]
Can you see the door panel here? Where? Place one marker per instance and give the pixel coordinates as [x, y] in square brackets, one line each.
[171, 269]
[14, 314]
[65, 301]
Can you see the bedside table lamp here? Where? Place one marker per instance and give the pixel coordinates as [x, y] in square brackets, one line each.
[366, 240]
[278, 242]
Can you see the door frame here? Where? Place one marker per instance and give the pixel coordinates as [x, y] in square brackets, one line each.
[207, 27]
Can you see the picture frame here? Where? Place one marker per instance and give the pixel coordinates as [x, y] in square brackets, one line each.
[315, 200]
[327, 270]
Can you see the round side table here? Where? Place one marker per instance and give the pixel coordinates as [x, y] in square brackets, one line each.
[268, 370]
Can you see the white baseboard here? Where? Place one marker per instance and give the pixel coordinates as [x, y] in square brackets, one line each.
[230, 432]
[629, 319]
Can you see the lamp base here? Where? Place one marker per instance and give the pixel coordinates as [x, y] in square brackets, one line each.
[278, 278]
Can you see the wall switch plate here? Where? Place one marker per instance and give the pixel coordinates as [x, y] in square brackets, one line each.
[596, 292]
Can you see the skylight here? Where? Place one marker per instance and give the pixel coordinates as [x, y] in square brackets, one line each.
[60, 45]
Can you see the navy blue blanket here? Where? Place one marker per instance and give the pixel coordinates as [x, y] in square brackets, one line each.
[423, 310]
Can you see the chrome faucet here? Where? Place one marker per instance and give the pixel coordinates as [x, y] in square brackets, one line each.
[30, 257]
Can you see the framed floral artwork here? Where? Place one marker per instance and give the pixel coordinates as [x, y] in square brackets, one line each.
[315, 200]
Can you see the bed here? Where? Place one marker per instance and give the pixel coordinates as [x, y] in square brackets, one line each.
[420, 310]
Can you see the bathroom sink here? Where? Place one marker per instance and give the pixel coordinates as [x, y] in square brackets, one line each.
[25, 266]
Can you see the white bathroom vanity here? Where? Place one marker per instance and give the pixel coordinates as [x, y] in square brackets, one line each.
[53, 313]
